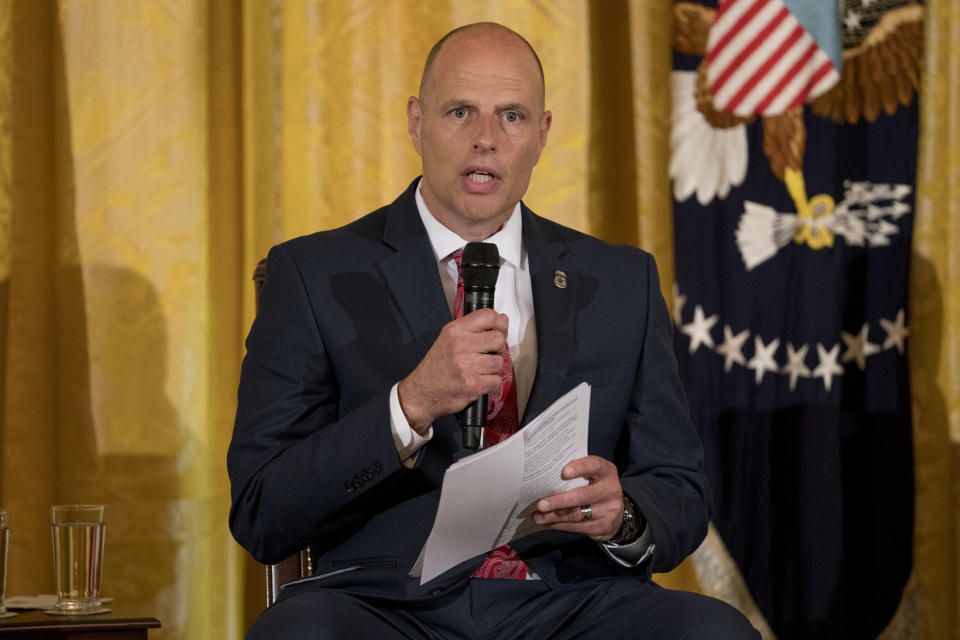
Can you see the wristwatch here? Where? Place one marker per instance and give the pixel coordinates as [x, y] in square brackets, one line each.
[632, 525]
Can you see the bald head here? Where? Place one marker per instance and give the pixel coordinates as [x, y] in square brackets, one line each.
[479, 126]
[479, 30]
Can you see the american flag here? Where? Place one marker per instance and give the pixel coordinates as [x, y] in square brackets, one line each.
[762, 60]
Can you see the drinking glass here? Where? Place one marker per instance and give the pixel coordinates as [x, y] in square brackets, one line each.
[4, 543]
[78, 537]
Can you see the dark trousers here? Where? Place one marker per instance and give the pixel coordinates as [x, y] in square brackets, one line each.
[487, 609]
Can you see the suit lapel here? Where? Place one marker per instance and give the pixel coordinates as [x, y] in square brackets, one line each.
[554, 280]
[411, 272]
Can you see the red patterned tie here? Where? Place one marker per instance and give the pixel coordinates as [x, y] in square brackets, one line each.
[502, 422]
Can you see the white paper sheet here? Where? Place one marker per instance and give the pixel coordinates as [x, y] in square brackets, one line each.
[488, 498]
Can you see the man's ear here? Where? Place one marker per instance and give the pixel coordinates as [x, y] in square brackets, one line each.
[545, 123]
[414, 117]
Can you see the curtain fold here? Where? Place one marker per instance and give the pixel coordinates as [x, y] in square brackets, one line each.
[150, 154]
[30, 48]
[934, 342]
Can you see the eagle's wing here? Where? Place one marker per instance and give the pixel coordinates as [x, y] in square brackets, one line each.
[691, 24]
[882, 73]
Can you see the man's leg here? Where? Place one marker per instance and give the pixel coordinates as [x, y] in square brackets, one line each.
[327, 614]
[608, 608]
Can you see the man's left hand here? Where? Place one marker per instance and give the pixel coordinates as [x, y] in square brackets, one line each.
[603, 494]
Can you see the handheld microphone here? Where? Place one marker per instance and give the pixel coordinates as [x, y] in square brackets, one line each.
[480, 264]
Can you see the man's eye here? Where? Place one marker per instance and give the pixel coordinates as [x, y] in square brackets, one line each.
[459, 113]
[512, 116]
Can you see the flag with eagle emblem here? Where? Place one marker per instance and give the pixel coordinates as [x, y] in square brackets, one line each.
[793, 162]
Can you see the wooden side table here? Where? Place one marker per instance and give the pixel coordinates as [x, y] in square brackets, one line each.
[36, 625]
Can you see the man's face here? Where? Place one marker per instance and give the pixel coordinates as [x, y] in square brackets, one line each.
[479, 128]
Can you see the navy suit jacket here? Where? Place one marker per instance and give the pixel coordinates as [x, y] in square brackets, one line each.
[345, 314]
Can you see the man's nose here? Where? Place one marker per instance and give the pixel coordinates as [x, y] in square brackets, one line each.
[486, 133]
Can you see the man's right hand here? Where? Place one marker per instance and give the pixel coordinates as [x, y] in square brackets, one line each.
[463, 364]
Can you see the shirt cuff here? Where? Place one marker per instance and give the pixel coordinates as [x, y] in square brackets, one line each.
[407, 441]
[632, 555]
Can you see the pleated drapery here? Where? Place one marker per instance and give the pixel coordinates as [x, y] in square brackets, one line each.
[151, 151]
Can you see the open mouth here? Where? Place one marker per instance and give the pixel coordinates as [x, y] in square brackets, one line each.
[479, 176]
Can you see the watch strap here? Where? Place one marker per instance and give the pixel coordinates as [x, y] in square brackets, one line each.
[632, 525]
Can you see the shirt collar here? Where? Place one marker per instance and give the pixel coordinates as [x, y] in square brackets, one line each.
[509, 239]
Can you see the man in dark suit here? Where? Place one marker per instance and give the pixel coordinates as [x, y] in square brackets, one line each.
[355, 368]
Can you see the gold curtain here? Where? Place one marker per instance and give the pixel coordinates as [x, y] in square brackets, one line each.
[151, 151]
[934, 343]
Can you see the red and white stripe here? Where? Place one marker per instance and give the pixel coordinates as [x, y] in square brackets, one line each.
[760, 59]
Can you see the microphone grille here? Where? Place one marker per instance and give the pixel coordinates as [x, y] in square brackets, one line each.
[481, 264]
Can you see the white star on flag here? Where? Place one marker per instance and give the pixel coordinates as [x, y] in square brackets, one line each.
[762, 360]
[795, 367]
[896, 331]
[732, 347]
[828, 366]
[699, 329]
[852, 20]
[859, 347]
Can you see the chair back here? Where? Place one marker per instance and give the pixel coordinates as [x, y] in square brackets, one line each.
[299, 565]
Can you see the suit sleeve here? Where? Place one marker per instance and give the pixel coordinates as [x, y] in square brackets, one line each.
[299, 471]
[664, 458]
